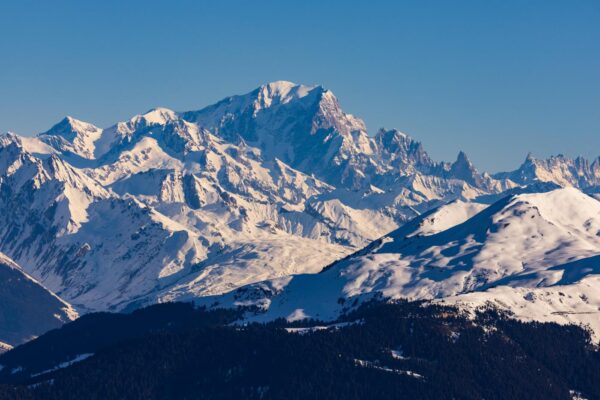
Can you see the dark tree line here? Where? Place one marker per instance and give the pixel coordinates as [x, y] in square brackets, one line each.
[438, 354]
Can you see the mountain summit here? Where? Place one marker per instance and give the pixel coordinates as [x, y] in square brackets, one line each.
[260, 186]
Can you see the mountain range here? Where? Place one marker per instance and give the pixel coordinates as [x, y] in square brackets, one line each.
[227, 203]
[533, 255]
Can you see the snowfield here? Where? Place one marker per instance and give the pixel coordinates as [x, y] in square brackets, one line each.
[536, 255]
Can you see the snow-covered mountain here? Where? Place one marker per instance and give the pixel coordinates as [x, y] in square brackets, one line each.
[535, 254]
[305, 127]
[563, 171]
[4, 347]
[27, 309]
[170, 205]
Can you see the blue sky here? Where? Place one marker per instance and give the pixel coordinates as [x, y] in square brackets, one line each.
[493, 78]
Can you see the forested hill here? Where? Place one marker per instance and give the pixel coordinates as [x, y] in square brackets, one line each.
[381, 351]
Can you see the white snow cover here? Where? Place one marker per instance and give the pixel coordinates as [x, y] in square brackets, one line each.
[27, 308]
[74, 360]
[278, 181]
[4, 347]
[537, 255]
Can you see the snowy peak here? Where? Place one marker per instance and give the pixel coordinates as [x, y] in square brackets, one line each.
[72, 136]
[47, 185]
[524, 242]
[265, 97]
[402, 151]
[302, 126]
[281, 92]
[274, 182]
[70, 128]
[463, 160]
[563, 171]
[566, 207]
[564, 219]
[305, 127]
[155, 116]
[464, 169]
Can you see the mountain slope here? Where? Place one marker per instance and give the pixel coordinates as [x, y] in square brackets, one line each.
[27, 309]
[384, 351]
[72, 136]
[170, 205]
[4, 347]
[224, 211]
[305, 127]
[89, 246]
[544, 244]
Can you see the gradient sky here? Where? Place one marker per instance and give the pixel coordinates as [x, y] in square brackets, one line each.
[494, 78]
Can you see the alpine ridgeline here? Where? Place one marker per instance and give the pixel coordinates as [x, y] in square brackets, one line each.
[280, 181]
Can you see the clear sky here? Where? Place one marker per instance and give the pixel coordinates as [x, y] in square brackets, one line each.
[494, 78]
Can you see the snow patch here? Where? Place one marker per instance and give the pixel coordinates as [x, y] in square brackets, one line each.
[65, 364]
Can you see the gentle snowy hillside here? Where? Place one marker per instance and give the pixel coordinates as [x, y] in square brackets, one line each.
[535, 254]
